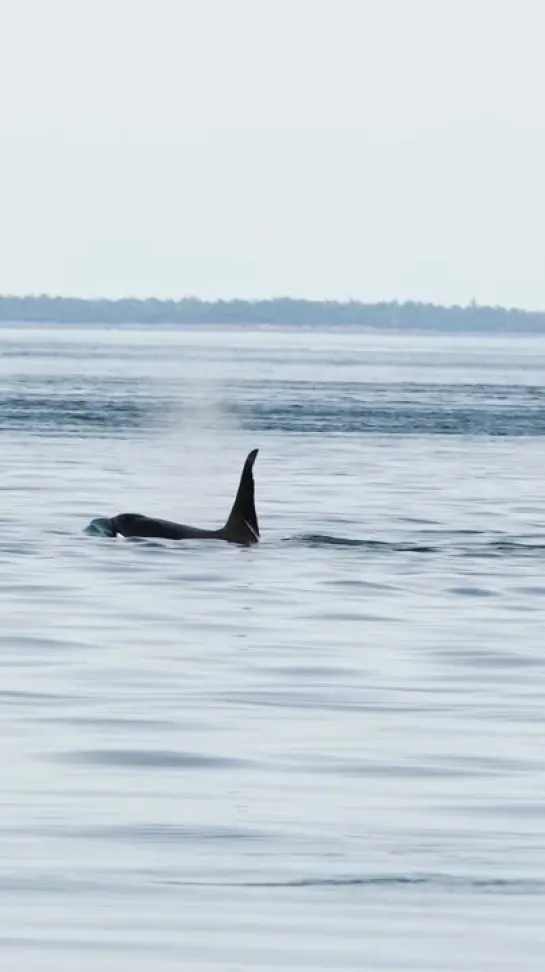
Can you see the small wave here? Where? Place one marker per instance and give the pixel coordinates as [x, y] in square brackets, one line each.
[446, 545]
[517, 546]
[326, 540]
[433, 881]
[148, 759]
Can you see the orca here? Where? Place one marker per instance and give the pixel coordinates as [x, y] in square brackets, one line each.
[241, 526]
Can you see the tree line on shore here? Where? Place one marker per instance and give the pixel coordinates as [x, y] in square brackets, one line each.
[281, 311]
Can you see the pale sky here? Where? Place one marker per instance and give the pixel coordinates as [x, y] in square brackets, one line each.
[366, 149]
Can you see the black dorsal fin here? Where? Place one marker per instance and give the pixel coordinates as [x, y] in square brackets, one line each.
[242, 526]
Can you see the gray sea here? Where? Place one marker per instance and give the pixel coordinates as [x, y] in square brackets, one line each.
[323, 752]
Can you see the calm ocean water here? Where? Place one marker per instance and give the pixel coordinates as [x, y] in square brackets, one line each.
[325, 752]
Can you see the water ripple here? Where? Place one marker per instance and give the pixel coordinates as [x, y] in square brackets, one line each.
[149, 759]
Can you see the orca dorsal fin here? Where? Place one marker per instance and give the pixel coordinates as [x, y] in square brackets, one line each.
[242, 526]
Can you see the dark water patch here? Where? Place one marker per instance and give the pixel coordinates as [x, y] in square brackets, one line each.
[434, 882]
[16, 698]
[397, 408]
[416, 521]
[350, 583]
[352, 617]
[44, 591]
[147, 725]
[394, 409]
[470, 591]
[326, 540]
[518, 547]
[447, 544]
[148, 758]
[489, 659]
[85, 414]
[33, 642]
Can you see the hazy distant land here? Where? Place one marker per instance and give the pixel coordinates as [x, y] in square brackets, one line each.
[282, 311]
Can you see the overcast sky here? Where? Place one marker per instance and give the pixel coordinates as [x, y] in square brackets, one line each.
[369, 149]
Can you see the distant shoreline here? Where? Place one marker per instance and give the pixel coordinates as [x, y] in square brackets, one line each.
[284, 312]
